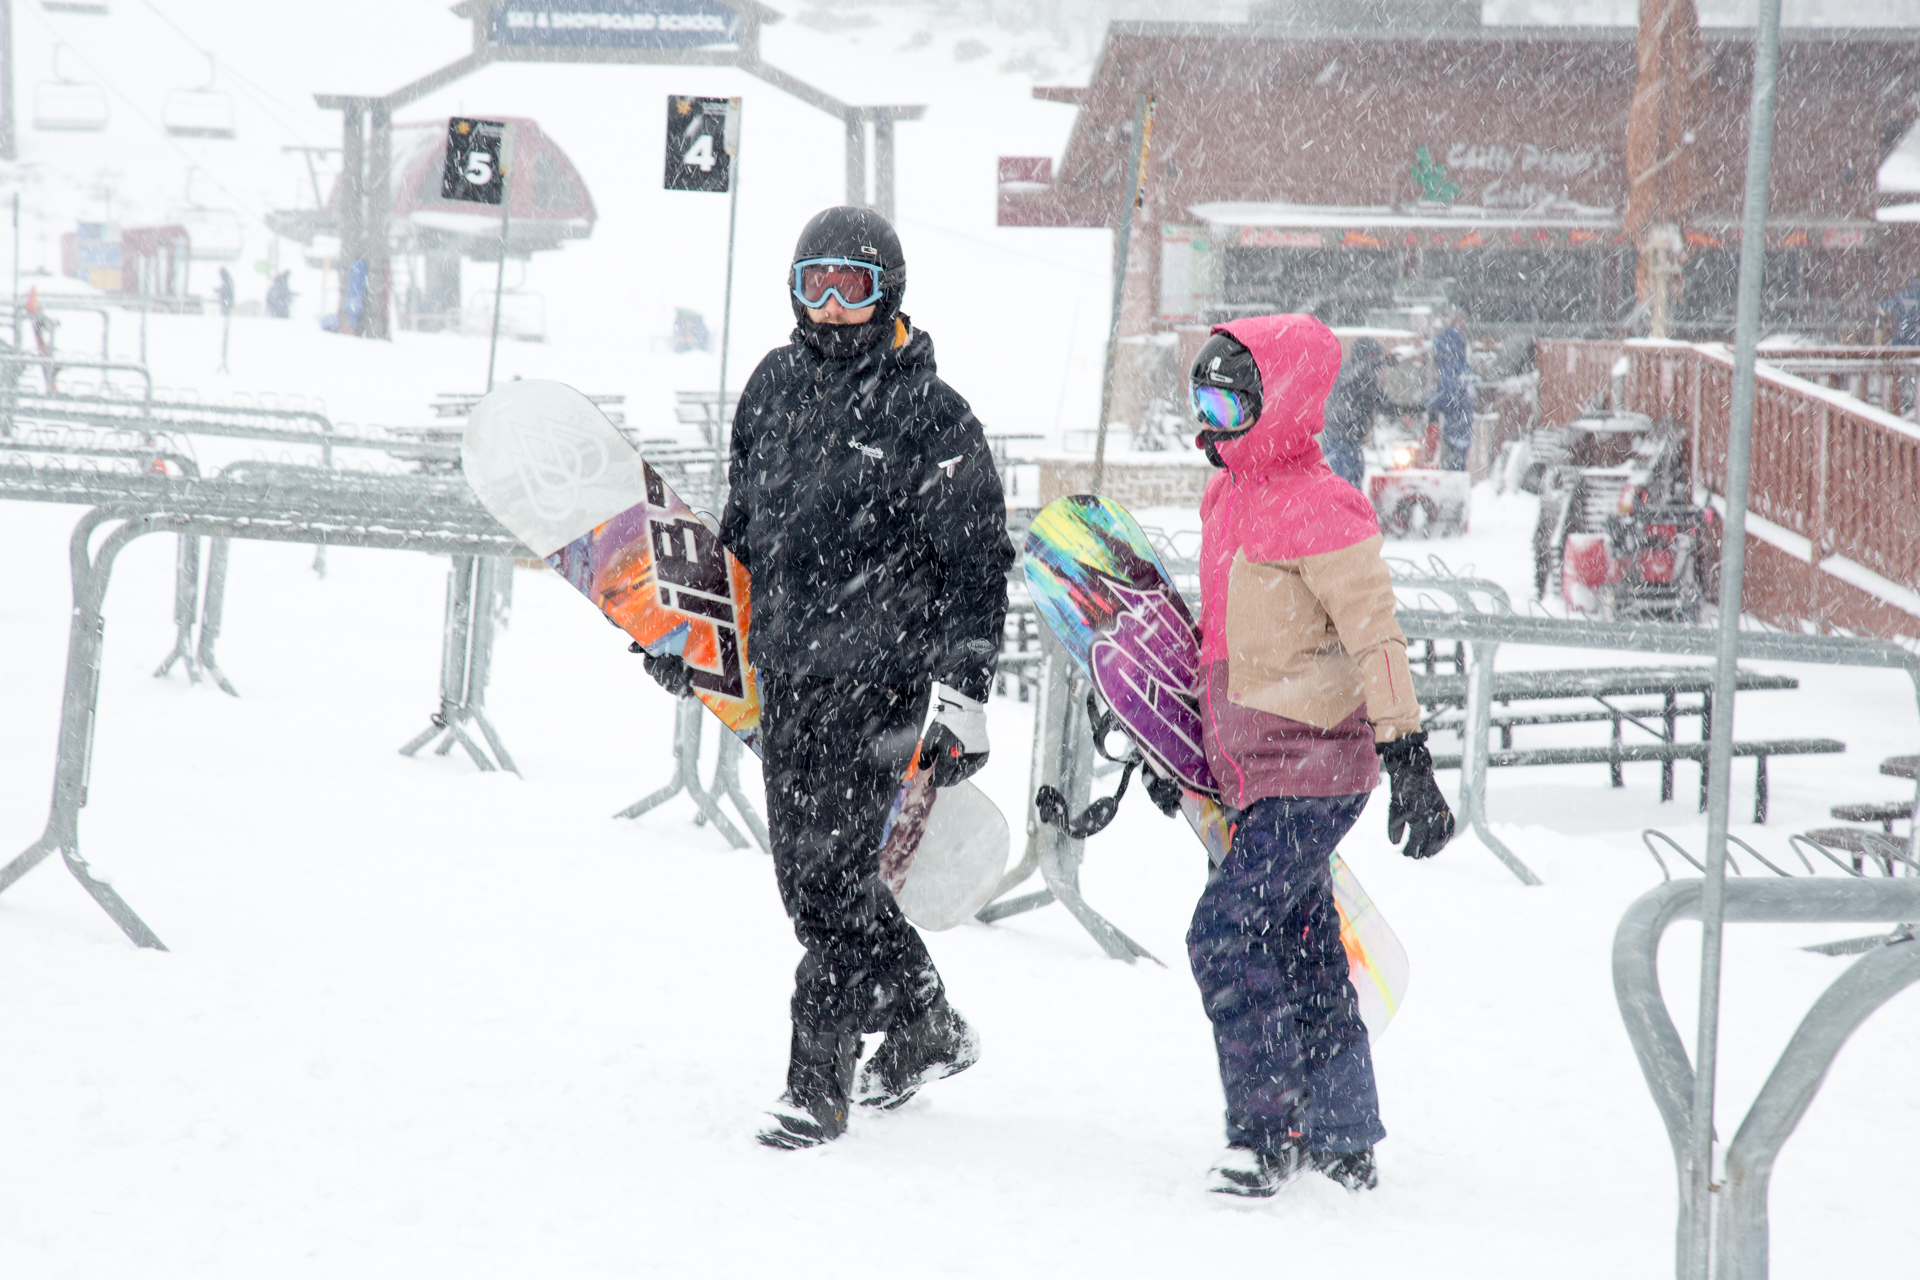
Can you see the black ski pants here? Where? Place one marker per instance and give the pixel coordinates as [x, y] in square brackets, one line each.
[833, 751]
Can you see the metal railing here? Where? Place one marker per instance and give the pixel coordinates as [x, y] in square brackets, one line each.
[305, 505]
[1879, 975]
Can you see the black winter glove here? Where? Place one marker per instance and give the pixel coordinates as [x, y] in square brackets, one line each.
[1417, 807]
[1164, 792]
[669, 670]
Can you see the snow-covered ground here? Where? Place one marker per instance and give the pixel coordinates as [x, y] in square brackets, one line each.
[422, 1021]
[418, 1021]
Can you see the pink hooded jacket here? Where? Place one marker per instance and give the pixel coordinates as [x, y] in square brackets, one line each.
[1303, 665]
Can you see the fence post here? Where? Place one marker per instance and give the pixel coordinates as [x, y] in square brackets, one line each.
[1697, 1250]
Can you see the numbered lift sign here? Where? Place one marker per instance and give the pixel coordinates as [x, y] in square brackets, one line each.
[702, 134]
[474, 164]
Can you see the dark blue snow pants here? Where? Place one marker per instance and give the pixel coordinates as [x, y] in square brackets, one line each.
[1265, 948]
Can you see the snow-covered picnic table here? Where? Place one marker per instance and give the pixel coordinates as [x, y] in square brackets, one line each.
[1670, 683]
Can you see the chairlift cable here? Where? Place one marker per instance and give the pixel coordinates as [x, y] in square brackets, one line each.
[133, 107]
[266, 100]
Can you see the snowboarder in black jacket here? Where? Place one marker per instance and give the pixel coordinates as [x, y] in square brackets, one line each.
[864, 501]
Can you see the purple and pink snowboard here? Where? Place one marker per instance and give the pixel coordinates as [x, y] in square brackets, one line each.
[1100, 587]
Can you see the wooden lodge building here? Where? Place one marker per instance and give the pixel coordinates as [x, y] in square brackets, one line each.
[1299, 164]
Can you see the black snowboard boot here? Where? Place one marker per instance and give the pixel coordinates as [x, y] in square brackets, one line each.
[1253, 1171]
[1353, 1170]
[937, 1044]
[814, 1108]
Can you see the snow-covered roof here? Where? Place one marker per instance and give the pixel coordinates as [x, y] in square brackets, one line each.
[1226, 213]
[1900, 171]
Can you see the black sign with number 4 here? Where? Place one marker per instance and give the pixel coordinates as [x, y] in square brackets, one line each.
[473, 167]
[699, 150]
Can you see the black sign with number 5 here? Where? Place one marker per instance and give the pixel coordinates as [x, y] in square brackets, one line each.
[473, 167]
[698, 157]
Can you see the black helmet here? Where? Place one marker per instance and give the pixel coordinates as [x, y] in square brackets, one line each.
[849, 231]
[1224, 361]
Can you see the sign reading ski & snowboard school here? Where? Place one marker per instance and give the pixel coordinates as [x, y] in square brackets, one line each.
[701, 135]
[472, 169]
[615, 24]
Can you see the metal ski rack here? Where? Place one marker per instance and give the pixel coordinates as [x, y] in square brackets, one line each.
[478, 588]
[689, 716]
[276, 504]
[1063, 755]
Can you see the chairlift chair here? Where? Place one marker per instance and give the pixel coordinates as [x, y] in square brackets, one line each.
[214, 235]
[61, 105]
[96, 7]
[205, 112]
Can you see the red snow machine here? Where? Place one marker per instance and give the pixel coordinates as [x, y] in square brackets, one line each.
[1619, 533]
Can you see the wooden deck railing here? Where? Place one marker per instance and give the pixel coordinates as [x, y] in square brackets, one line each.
[1838, 472]
[1575, 377]
[1832, 469]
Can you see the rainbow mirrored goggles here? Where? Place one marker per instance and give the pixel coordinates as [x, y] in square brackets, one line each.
[1221, 409]
[855, 283]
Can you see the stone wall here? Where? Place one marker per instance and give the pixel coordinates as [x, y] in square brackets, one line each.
[1134, 481]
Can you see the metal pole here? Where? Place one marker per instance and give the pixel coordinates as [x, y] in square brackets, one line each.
[500, 280]
[883, 164]
[1753, 246]
[377, 191]
[856, 156]
[352, 197]
[8, 148]
[8, 154]
[721, 441]
[1134, 195]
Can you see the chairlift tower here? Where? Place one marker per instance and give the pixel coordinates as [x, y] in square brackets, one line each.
[705, 33]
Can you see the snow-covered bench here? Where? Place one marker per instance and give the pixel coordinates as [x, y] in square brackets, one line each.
[1619, 753]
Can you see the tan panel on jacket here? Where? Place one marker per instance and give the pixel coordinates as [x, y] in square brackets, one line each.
[1313, 638]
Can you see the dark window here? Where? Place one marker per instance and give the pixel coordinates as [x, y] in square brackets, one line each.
[1713, 283]
[1338, 285]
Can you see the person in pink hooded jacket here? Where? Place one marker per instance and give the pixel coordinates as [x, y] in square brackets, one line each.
[1305, 696]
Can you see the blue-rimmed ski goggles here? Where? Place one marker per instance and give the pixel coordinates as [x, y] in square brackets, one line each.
[1220, 409]
[855, 283]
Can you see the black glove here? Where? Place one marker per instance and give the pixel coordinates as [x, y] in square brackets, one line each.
[669, 670]
[954, 747]
[1417, 807]
[1164, 792]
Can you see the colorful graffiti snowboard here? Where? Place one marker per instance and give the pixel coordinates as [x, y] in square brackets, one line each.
[548, 464]
[1097, 582]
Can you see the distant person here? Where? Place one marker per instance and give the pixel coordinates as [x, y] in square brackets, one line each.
[224, 292]
[1903, 330]
[280, 297]
[1903, 315]
[864, 500]
[1351, 406]
[1452, 398]
[1305, 696]
[689, 331]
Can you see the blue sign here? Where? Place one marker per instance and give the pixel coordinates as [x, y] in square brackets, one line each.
[615, 24]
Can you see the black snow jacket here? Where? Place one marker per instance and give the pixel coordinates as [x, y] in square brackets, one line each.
[1355, 398]
[865, 503]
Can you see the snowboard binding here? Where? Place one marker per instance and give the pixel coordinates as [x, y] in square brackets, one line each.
[1051, 805]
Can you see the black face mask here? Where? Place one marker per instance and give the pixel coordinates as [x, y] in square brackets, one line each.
[1209, 441]
[845, 341]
